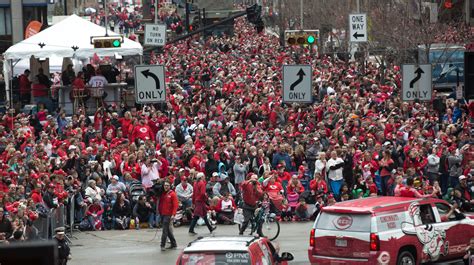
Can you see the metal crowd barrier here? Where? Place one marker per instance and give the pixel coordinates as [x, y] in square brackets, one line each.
[59, 217]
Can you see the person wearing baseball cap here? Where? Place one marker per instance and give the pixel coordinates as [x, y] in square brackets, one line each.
[465, 189]
[199, 201]
[64, 252]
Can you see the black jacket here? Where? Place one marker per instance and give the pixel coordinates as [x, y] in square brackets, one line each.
[63, 249]
[120, 211]
[6, 227]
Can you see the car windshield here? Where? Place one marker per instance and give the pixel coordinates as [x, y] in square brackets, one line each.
[344, 222]
[221, 258]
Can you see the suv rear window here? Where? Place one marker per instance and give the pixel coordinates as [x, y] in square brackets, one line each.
[222, 258]
[344, 222]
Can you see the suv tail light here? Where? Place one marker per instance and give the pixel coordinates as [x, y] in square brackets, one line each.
[311, 238]
[374, 242]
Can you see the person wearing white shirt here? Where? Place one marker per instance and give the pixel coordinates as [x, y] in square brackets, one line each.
[184, 191]
[320, 165]
[98, 80]
[334, 168]
[150, 171]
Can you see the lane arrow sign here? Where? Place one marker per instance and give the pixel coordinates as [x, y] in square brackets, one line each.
[300, 79]
[147, 74]
[357, 35]
[418, 73]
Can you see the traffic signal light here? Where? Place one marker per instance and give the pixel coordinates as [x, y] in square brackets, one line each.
[107, 42]
[299, 38]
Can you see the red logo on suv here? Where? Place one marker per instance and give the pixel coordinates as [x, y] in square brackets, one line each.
[343, 222]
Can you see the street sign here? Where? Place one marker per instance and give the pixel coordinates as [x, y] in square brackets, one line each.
[358, 27]
[155, 34]
[150, 84]
[297, 83]
[417, 83]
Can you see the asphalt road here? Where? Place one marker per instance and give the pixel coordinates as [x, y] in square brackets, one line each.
[143, 246]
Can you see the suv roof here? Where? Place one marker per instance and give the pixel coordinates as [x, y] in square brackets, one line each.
[223, 243]
[372, 204]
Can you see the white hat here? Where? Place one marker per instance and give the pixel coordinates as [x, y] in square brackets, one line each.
[115, 177]
[200, 175]
[462, 177]
[72, 147]
[215, 174]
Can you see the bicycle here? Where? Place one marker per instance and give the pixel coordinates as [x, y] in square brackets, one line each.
[270, 227]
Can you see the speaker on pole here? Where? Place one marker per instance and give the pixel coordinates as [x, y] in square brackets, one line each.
[469, 74]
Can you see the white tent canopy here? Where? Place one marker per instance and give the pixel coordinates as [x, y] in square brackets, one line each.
[59, 39]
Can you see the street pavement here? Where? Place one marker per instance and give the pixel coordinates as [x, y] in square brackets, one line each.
[143, 246]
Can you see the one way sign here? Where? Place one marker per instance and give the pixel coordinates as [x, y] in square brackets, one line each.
[150, 84]
[358, 27]
[297, 85]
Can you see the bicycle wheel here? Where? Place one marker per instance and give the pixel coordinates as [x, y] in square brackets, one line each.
[271, 228]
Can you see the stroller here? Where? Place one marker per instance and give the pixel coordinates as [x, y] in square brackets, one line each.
[136, 190]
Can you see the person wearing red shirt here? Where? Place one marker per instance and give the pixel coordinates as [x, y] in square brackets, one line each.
[142, 132]
[25, 87]
[36, 195]
[126, 122]
[225, 209]
[251, 194]
[199, 202]
[409, 191]
[294, 186]
[318, 185]
[274, 189]
[282, 174]
[197, 162]
[167, 208]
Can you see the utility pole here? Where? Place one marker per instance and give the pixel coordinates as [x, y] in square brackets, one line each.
[65, 7]
[106, 20]
[186, 24]
[156, 11]
[301, 15]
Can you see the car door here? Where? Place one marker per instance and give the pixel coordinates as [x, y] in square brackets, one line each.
[456, 238]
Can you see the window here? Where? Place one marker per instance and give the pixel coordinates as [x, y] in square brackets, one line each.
[442, 208]
[5, 21]
[426, 214]
[344, 222]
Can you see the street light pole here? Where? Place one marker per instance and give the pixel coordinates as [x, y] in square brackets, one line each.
[301, 14]
[106, 19]
[156, 11]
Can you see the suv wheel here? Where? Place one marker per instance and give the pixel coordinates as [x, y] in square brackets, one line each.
[406, 258]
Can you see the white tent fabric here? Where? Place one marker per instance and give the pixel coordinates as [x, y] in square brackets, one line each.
[61, 37]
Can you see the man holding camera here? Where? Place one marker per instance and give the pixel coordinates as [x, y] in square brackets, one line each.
[251, 194]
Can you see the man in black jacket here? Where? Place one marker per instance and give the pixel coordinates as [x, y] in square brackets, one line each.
[64, 252]
[6, 228]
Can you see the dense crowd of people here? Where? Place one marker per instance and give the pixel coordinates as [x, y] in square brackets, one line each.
[225, 140]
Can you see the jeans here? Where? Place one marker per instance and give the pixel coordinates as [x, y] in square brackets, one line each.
[167, 231]
[336, 187]
[384, 184]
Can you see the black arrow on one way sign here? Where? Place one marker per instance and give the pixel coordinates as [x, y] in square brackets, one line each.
[418, 73]
[300, 79]
[147, 74]
[357, 35]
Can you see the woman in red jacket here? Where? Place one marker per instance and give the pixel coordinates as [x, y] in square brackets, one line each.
[199, 203]
[318, 185]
